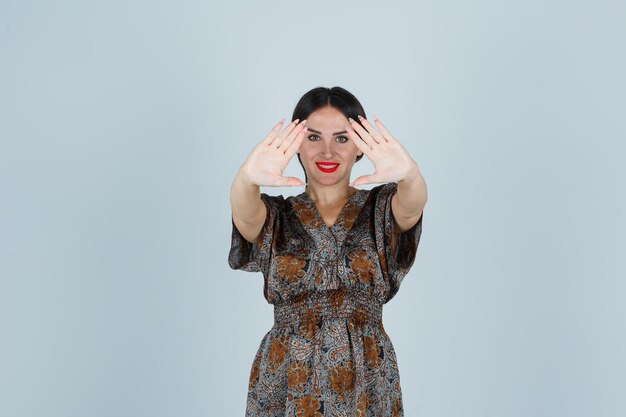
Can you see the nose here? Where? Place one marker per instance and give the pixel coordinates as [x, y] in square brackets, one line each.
[328, 149]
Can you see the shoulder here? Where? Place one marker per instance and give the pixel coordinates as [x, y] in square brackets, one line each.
[383, 190]
[272, 198]
[278, 203]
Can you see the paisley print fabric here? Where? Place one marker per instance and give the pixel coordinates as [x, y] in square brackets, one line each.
[327, 353]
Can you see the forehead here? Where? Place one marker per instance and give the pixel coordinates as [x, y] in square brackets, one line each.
[327, 117]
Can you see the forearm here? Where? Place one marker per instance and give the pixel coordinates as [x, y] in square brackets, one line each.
[409, 201]
[245, 200]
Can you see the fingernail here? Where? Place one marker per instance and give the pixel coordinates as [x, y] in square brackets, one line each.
[361, 117]
[296, 121]
[350, 119]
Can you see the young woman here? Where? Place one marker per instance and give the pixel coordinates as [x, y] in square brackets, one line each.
[330, 256]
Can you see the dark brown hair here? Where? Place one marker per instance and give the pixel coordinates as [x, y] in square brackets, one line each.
[336, 97]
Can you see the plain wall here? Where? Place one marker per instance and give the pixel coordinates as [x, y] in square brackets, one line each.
[122, 124]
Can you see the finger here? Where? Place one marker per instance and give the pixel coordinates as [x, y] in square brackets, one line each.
[366, 179]
[364, 134]
[284, 133]
[371, 129]
[290, 182]
[359, 141]
[290, 137]
[288, 133]
[295, 145]
[363, 147]
[270, 136]
[384, 131]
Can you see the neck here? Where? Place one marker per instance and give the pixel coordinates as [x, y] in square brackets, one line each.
[327, 195]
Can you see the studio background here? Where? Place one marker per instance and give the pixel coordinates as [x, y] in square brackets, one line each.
[122, 125]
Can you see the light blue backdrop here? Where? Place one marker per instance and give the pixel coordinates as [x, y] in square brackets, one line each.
[121, 127]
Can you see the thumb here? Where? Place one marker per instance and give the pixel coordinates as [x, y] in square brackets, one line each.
[364, 179]
[291, 182]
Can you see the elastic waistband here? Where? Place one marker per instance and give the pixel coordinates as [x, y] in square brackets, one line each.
[311, 307]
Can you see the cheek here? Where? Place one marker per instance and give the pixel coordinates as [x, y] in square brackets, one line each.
[349, 149]
[304, 149]
[305, 152]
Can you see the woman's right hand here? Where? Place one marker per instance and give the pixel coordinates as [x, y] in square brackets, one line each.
[269, 158]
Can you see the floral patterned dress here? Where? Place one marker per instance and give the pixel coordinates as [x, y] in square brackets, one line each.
[327, 353]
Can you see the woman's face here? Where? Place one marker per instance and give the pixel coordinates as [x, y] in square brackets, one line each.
[327, 152]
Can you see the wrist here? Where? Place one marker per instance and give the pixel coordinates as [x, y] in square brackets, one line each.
[244, 177]
[412, 175]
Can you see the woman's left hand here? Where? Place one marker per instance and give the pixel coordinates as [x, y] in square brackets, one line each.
[392, 163]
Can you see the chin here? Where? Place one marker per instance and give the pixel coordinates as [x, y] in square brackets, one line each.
[326, 179]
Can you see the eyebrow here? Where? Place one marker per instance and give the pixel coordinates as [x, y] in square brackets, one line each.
[334, 134]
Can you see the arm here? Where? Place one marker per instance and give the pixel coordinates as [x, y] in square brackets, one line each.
[248, 210]
[392, 163]
[407, 204]
[409, 201]
[264, 166]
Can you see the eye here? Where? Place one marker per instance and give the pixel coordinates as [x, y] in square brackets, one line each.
[313, 137]
[345, 139]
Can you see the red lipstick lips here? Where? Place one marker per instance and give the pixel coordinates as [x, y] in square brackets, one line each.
[327, 166]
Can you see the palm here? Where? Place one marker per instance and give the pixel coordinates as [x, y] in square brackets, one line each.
[391, 161]
[269, 158]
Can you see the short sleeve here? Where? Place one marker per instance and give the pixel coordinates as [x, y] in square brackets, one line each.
[394, 265]
[249, 256]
